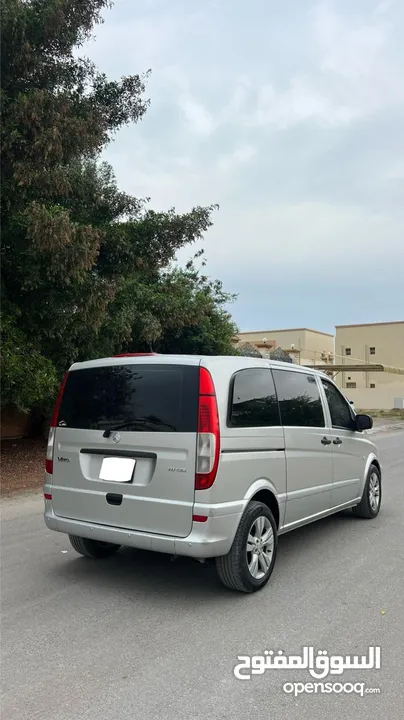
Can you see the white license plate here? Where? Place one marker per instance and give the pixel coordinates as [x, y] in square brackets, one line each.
[117, 469]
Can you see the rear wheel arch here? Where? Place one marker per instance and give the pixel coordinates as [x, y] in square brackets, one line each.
[268, 498]
[377, 464]
[371, 460]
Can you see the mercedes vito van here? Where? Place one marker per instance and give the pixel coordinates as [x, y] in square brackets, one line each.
[210, 457]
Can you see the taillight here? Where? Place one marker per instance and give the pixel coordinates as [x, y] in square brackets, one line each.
[49, 451]
[134, 355]
[208, 440]
[51, 436]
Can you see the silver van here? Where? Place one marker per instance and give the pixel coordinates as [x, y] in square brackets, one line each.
[210, 457]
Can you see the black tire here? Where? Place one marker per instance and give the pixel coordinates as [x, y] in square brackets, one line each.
[233, 568]
[366, 509]
[94, 549]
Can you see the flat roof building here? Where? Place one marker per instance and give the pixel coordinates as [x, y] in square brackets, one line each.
[371, 343]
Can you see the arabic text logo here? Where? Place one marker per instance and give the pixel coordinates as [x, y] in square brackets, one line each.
[319, 666]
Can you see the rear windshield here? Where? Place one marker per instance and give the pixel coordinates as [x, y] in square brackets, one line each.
[149, 398]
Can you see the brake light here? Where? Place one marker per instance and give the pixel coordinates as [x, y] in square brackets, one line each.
[134, 355]
[208, 440]
[51, 436]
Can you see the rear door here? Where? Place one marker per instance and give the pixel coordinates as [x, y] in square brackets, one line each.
[125, 447]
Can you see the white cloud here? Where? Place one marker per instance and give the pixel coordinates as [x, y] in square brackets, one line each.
[383, 7]
[301, 102]
[395, 171]
[132, 46]
[313, 242]
[350, 50]
[199, 120]
[353, 77]
[216, 133]
[229, 162]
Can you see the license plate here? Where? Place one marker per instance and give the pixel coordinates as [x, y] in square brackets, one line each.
[116, 469]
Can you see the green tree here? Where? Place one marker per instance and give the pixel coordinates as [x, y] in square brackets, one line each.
[86, 268]
[28, 379]
[189, 315]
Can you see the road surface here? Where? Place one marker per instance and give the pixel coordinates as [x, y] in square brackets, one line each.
[141, 637]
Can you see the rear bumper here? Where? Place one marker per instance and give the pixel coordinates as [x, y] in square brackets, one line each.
[207, 539]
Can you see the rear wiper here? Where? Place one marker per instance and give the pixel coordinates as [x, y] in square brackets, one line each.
[149, 423]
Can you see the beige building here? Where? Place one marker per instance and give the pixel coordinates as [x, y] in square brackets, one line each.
[377, 343]
[306, 347]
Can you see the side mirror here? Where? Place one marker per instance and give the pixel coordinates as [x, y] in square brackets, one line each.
[363, 422]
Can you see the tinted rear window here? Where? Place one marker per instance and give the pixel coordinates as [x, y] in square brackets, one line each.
[150, 398]
[299, 399]
[254, 401]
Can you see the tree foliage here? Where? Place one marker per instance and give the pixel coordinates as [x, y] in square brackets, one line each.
[28, 379]
[280, 355]
[248, 350]
[87, 270]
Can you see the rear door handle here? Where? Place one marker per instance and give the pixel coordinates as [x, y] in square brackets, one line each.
[326, 441]
[337, 441]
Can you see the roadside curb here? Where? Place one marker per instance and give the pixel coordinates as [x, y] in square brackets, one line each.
[391, 427]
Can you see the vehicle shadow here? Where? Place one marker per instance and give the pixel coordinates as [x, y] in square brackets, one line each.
[138, 572]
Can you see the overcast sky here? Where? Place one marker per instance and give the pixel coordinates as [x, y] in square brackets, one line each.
[290, 115]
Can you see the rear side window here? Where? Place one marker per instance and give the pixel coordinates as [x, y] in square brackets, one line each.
[299, 399]
[253, 399]
[149, 398]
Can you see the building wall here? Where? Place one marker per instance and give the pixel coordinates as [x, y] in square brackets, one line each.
[309, 344]
[373, 390]
[380, 398]
[318, 343]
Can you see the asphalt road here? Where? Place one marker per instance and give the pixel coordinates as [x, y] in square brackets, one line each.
[142, 637]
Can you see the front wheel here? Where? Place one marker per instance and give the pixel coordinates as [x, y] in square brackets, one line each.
[369, 505]
[94, 549]
[249, 564]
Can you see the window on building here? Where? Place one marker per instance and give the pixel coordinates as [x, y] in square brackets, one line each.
[299, 399]
[340, 411]
[372, 385]
[347, 351]
[253, 401]
[372, 351]
[351, 385]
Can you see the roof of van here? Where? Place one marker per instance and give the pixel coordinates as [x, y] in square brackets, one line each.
[234, 361]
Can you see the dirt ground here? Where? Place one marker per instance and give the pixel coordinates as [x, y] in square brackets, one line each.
[22, 465]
